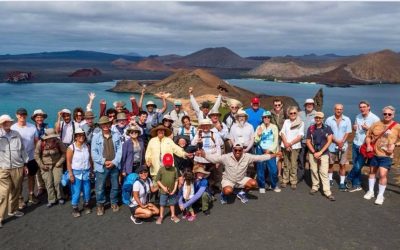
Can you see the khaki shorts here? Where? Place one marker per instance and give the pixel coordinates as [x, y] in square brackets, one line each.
[334, 158]
[240, 184]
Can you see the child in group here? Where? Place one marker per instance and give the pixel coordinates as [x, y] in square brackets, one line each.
[188, 193]
[167, 180]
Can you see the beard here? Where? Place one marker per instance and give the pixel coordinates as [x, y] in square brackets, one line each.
[241, 123]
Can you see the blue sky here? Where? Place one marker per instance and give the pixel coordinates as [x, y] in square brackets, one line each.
[256, 28]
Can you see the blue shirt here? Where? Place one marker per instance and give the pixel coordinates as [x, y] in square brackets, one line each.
[339, 130]
[255, 116]
[360, 135]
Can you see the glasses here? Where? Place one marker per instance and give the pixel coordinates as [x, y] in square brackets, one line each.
[292, 113]
[269, 117]
[363, 107]
[237, 150]
[111, 116]
[387, 114]
[317, 118]
[277, 105]
[134, 132]
[234, 107]
[80, 135]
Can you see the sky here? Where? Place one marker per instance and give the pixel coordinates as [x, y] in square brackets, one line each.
[248, 28]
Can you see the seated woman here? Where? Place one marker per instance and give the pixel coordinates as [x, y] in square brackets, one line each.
[132, 151]
[142, 188]
[201, 193]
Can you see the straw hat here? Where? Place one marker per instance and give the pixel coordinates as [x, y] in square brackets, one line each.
[151, 103]
[168, 117]
[121, 116]
[5, 118]
[153, 132]
[133, 128]
[205, 122]
[38, 112]
[79, 131]
[241, 112]
[89, 114]
[214, 112]
[200, 169]
[103, 120]
[50, 133]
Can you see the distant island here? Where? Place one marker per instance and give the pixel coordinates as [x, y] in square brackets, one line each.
[90, 66]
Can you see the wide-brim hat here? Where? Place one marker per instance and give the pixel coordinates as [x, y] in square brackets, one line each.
[151, 103]
[168, 117]
[214, 112]
[119, 103]
[79, 131]
[205, 122]
[103, 120]
[89, 114]
[121, 116]
[49, 134]
[200, 169]
[133, 128]
[65, 111]
[38, 112]
[234, 102]
[241, 112]
[5, 118]
[319, 114]
[309, 101]
[153, 132]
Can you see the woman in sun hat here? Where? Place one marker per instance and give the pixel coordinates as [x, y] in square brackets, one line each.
[132, 151]
[50, 156]
[167, 121]
[79, 168]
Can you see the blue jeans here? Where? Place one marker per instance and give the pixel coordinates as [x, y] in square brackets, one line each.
[76, 189]
[101, 185]
[358, 162]
[272, 170]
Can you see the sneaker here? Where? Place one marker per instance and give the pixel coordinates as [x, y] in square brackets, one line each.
[242, 197]
[349, 184]
[283, 185]
[313, 191]
[61, 201]
[206, 212]
[192, 218]
[100, 210]
[21, 203]
[262, 190]
[331, 183]
[50, 204]
[379, 200]
[137, 221]
[369, 195]
[223, 199]
[176, 219]
[185, 216]
[159, 220]
[342, 187]
[115, 207]
[87, 209]
[33, 200]
[75, 212]
[277, 189]
[355, 189]
[331, 198]
[16, 214]
[293, 186]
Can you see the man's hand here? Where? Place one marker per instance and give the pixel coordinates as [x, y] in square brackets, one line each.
[109, 164]
[181, 207]
[102, 101]
[71, 178]
[132, 98]
[259, 131]
[365, 126]
[190, 90]
[317, 155]
[369, 148]
[165, 189]
[143, 90]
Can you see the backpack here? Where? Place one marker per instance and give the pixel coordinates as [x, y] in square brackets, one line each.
[127, 187]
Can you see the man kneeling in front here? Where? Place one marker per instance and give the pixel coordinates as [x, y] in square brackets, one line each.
[234, 176]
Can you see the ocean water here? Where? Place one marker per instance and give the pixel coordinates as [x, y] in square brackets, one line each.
[52, 97]
[378, 95]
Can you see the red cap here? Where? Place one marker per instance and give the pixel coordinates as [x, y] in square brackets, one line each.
[168, 160]
[255, 100]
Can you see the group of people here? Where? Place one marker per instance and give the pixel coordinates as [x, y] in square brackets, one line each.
[173, 163]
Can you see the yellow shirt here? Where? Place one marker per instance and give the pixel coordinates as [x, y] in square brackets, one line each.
[156, 149]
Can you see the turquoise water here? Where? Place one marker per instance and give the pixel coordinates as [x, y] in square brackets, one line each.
[52, 97]
[378, 95]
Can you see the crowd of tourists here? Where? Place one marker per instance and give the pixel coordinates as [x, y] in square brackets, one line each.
[149, 158]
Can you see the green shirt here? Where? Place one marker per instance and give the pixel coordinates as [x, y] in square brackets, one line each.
[168, 177]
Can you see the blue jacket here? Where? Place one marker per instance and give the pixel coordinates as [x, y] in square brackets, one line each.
[97, 151]
[200, 186]
[128, 155]
[255, 117]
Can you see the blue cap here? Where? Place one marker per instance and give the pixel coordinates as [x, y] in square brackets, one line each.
[266, 113]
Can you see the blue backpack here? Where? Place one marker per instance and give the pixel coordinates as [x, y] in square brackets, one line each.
[127, 187]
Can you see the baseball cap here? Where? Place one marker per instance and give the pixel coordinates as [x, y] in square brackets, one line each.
[177, 103]
[255, 100]
[168, 160]
[319, 114]
[22, 111]
[309, 100]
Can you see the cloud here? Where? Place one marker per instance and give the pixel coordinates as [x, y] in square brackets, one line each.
[249, 28]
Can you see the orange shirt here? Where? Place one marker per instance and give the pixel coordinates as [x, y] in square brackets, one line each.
[388, 139]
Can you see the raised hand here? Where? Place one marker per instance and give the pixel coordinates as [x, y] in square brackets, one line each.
[102, 101]
[132, 98]
[190, 90]
[92, 96]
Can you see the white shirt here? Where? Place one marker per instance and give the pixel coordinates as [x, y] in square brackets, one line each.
[360, 132]
[67, 131]
[80, 159]
[185, 189]
[291, 134]
[28, 134]
[138, 187]
[211, 145]
[243, 135]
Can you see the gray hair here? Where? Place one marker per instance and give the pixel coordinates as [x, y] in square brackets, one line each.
[390, 107]
[290, 108]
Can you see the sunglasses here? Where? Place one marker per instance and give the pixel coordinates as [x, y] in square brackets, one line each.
[277, 105]
[234, 107]
[387, 114]
[143, 172]
[237, 150]
[292, 113]
[134, 132]
[269, 117]
[111, 116]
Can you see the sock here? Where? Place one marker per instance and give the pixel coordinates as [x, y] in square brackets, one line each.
[330, 176]
[342, 179]
[371, 184]
[381, 189]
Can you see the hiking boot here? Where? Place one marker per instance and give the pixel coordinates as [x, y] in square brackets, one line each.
[33, 200]
[277, 189]
[137, 221]
[86, 208]
[16, 214]
[176, 219]
[223, 199]
[355, 189]
[293, 186]
[159, 220]
[262, 190]
[379, 200]
[242, 197]
[313, 191]
[342, 187]
[115, 207]
[21, 203]
[369, 195]
[331, 198]
[75, 212]
[100, 210]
